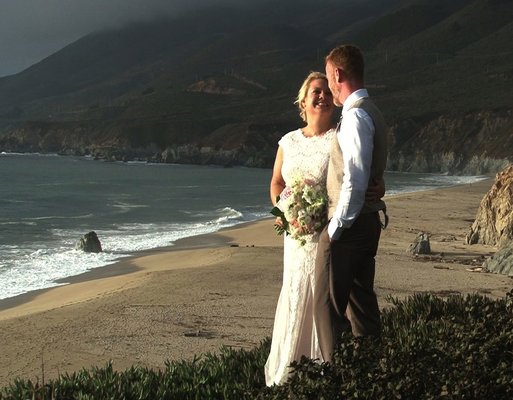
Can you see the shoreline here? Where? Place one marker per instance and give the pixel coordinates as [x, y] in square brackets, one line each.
[122, 265]
[192, 298]
[60, 260]
[25, 302]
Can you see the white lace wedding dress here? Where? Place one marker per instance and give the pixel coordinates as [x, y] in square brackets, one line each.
[294, 333]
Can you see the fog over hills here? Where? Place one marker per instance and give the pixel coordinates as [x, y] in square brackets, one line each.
[216, 85]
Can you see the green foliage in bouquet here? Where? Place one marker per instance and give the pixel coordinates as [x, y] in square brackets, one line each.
[284, 226]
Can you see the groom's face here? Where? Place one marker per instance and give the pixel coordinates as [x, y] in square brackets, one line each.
[331, 74]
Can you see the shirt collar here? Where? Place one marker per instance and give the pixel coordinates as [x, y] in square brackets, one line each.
[353, 98]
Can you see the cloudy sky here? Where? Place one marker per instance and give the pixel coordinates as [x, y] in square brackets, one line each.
[30, 30]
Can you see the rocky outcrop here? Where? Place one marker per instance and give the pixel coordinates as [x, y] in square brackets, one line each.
[501, 262]
[494, 220]
[471, 144]
[247, 145]
[205, 155]
[89, 243]
[421, 244]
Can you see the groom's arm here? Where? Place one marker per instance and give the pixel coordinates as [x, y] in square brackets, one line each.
[356, 140]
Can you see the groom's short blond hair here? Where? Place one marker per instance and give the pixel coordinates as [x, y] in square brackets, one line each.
[348, 58]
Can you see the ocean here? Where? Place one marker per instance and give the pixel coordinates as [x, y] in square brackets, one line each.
[48, 202]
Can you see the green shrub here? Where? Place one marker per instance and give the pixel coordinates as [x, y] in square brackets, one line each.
[459, 348]
[430, 348]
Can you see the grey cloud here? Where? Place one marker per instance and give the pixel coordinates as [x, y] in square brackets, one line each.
[33, 29]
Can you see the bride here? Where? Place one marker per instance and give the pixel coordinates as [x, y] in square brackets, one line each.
[303, 152]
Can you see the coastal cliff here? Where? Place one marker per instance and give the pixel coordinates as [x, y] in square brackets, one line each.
[473, 144]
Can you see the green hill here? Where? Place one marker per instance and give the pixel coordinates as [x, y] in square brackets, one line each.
[217, 85]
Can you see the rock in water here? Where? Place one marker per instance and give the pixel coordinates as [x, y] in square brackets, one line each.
[89, 243]
[494, 220]
[421, 244]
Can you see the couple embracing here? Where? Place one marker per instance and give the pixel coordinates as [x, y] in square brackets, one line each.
[328, 277]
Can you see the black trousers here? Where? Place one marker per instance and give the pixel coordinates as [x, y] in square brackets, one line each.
[344, 297]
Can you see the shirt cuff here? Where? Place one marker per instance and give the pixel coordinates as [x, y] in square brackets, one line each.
[334, 230]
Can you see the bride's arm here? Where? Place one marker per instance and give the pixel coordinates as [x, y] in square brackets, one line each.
[277, 181]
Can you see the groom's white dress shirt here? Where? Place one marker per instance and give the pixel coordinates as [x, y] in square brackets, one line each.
[355, 136]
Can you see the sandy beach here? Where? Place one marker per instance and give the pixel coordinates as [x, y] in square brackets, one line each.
[221, 289]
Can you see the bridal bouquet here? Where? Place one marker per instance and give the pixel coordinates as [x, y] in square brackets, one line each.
[302, 208]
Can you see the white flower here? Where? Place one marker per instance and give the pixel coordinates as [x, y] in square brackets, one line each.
[302, 207]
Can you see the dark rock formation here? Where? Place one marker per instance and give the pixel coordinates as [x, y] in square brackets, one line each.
[501, 262]
[421, 244]
[89, 243]
[494, 220]
[470, 144]
[246, 145]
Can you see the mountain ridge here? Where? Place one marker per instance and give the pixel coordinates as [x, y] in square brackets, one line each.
[218, 85]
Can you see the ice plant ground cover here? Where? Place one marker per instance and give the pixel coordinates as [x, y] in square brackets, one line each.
[458, 347]
[301, 208]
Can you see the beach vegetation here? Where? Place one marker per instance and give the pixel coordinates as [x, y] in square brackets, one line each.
[460, 347]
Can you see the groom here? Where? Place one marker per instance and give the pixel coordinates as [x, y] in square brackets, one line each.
[344, 297]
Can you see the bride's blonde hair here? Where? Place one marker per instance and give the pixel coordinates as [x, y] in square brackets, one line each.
[303, 91]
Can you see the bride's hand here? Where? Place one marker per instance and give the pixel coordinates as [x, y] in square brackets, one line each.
[278, 221]
[375, 190]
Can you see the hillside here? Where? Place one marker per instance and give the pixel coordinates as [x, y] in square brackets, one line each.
[217, 86]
